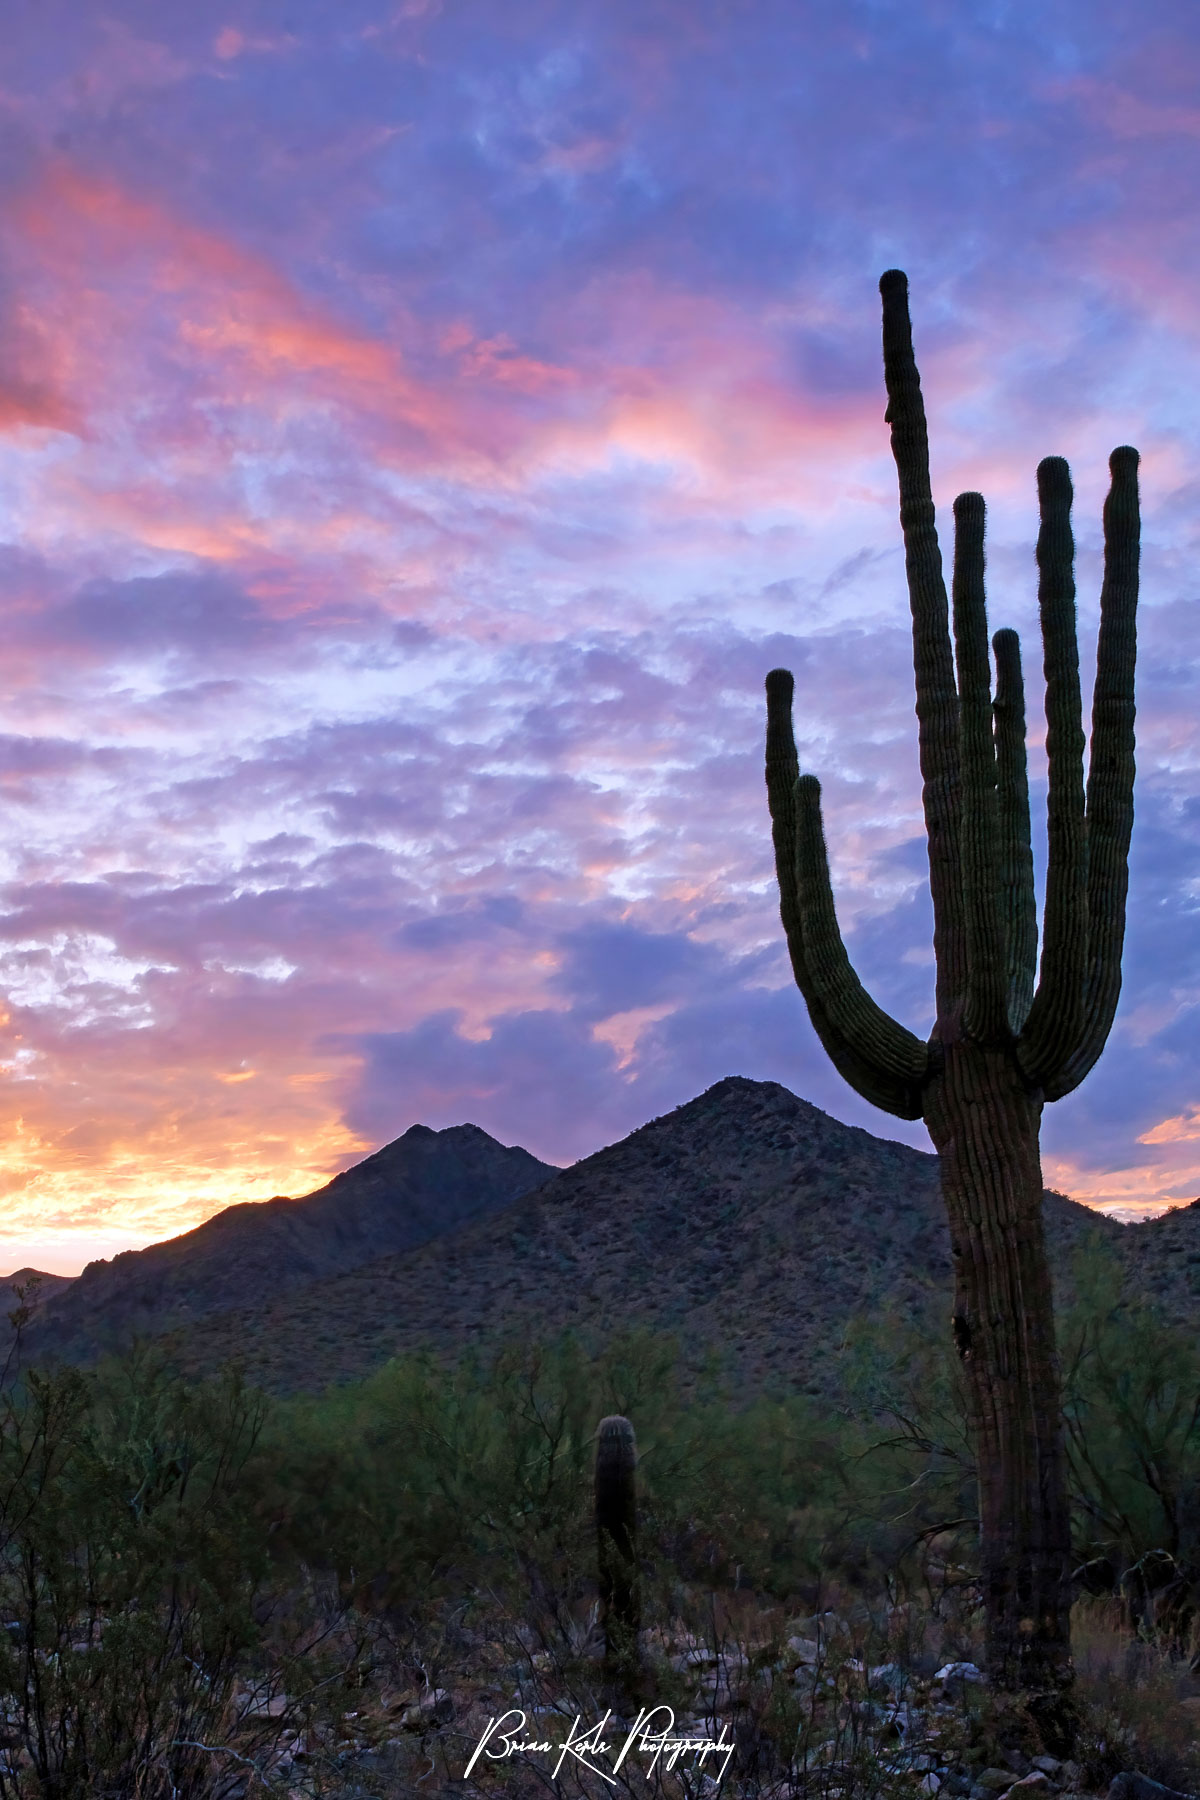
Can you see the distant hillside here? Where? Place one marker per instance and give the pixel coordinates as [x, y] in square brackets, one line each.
[747, 1219]
[39, 1285]
[1163, 1259]
[256, 1253]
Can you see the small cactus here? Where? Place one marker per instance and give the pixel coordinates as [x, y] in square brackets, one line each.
[616, 1540]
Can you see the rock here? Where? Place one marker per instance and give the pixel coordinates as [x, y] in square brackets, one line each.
[823, 1626]
[1129, 1785]
[288, 1752]
[994, 1781]
[1036, 1782]
[267, 1706]
[801, 1650]
[929, 1784]
[1049, 1765]
[959, 1671]
[889, 1676]
[433, 1708]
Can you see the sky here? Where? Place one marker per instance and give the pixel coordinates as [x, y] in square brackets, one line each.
[422, 427]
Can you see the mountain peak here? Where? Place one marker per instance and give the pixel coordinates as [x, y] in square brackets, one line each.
[746, 1221]
[420, 1185]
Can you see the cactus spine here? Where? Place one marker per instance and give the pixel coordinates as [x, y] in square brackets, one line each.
[1004, 1039]
[616, 1541]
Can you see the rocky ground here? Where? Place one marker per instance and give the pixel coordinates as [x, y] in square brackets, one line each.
[753, 1708]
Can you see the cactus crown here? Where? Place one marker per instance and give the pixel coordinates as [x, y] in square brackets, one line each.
[616, 1463]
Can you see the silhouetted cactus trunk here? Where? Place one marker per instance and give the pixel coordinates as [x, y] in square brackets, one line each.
[998, 1049]
[984, 1126]
[616, 1542]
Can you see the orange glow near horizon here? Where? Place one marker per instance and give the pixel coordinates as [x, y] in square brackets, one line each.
[66, 1205]
[78, 1208]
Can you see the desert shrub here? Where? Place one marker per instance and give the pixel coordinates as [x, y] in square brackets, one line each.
[1132, 1411]
[1131, 1406]
[438, 1479]
[1137, 1700]
[418, 1477]
[130, 1565]
[915, 1477]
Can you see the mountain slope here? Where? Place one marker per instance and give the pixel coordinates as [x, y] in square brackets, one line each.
[424, 1183]
[44, 1285]
[1163, 1260]
[747, 1219]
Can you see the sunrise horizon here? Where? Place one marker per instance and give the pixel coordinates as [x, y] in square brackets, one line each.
[70, 1255]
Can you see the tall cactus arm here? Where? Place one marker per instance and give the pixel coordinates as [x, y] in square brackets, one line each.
[933, 662]
[1016, 853]
[1110, 770]
[880, 1059]
[1055, 1020]
[986, 1016]
[876, 1036]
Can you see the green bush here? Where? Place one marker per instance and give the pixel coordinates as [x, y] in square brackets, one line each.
[1132, 1411]
[130, 1567]
[435, 1479]
[1131, 1407]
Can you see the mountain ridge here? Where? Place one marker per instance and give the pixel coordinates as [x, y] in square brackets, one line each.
[737, 1220]
[423, 1182]
[747, 1219]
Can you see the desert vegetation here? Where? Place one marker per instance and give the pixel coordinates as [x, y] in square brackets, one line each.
[205, 1591]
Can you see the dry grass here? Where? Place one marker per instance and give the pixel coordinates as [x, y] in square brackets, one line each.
[1142, 1703]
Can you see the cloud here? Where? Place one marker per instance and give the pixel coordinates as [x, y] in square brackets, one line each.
[420, 431]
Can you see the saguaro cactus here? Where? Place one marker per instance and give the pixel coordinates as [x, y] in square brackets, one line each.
[616, 1540]
[998, 1048]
